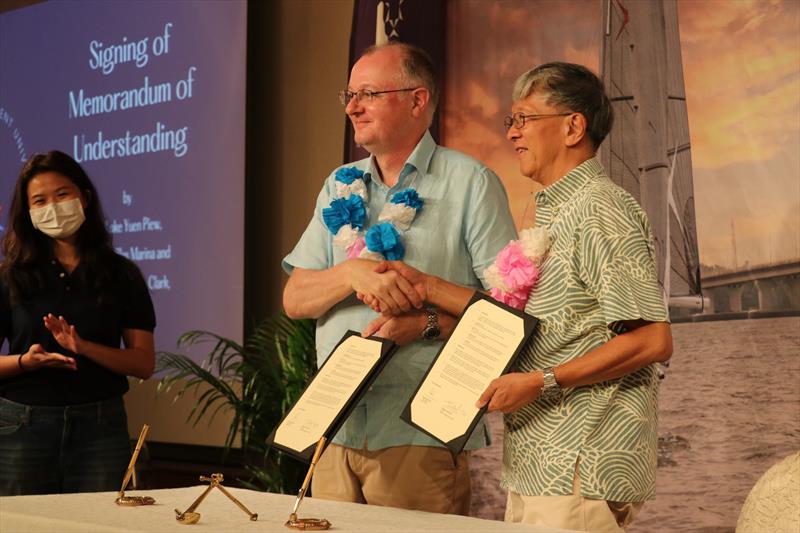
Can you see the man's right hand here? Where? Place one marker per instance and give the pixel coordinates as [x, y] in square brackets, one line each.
[411, 275]
[384, 287]
[36, 358]
[442, 294]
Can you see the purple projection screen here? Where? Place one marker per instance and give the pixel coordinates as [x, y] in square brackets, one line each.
[150, 98]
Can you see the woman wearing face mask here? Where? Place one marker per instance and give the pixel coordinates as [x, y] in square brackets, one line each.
[66, 301]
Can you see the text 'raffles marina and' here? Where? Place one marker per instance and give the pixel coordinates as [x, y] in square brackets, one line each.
[143, 253]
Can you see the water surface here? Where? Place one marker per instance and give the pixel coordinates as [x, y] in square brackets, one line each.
[729, 409]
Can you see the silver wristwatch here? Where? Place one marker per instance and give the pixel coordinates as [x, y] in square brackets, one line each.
[432, 329]
[550, 390]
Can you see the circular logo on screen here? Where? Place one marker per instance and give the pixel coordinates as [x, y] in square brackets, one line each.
[12, 156]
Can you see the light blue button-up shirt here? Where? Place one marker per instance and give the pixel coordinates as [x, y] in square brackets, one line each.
[462, 226]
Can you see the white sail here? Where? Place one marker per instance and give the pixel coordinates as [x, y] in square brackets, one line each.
[648, 151]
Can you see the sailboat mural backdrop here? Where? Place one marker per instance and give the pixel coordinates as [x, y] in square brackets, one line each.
[707, 102]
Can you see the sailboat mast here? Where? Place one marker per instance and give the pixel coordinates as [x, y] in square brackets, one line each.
[648, 151]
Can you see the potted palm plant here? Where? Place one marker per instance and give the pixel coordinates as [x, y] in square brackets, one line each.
[258, 380]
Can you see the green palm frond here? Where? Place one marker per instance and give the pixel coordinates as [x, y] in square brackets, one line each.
[257, 380]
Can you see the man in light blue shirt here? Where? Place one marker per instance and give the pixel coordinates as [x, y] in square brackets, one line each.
[465, 221]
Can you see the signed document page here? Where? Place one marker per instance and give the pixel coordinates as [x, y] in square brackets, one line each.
[328, 393]
[481, 347]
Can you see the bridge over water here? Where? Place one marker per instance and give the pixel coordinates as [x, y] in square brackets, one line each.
[774, 287]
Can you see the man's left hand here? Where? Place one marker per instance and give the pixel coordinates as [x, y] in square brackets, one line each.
[512, 391]
[402, 329]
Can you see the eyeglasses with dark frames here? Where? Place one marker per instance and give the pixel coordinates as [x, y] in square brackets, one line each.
[518, 119]
[365, 95]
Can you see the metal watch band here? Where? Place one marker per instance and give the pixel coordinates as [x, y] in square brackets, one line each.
[432, 329]
[550, 389]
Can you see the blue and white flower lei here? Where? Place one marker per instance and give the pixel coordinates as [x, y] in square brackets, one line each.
[347, 214]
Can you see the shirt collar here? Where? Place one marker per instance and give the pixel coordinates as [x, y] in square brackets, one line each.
[419, 160]
[566, 187]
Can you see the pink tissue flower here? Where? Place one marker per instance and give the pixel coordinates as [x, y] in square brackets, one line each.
[356, 248]
[517, 299]
[518, 272]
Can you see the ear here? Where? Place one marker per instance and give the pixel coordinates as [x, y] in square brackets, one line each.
[575, 129]
[86, 198]
[420, 100]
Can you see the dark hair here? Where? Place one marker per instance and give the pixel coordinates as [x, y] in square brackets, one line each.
[25, 248]
[572, 87]
[417, 67]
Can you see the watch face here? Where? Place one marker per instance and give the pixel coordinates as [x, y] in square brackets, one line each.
[551, 393]
[431, 332]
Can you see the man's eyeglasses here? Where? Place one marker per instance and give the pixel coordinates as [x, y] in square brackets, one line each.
[518, 119]
[365, 95]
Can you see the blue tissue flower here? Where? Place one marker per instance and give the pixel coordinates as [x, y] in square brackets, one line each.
[384, 239]
[349, 174]
[408, 197]
[345, 211]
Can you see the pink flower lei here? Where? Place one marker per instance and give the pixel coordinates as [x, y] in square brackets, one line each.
[516, 270]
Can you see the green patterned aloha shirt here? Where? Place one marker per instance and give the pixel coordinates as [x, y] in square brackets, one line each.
[599, 271]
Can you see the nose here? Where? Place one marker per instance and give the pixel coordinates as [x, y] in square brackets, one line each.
[353, 107]
[513, 133]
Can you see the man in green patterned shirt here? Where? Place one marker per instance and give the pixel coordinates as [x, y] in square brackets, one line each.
[581, 411]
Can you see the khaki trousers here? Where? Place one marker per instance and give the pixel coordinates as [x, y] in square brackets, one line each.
[572, 511]
[423, 478]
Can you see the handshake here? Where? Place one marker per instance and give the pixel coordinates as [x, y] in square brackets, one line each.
[390, 287]
[398, 292]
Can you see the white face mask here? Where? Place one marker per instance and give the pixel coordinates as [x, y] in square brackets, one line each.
[58, 220]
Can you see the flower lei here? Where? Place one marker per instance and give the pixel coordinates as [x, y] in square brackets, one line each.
[347, 214]
[516, 270]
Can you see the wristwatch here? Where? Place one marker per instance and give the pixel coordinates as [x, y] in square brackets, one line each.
[550, 390]
[432, 329]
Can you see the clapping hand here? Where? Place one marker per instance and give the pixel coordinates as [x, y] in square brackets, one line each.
[65, 334]
[36, 358]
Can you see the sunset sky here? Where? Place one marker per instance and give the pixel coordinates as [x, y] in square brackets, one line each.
[741, 64]
[742, 71]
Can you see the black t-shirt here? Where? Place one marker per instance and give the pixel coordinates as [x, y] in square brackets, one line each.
[128, 306]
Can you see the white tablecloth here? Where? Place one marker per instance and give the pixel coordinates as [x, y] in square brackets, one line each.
[94, 512]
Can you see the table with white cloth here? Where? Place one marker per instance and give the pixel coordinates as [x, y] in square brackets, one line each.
[96, 511]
